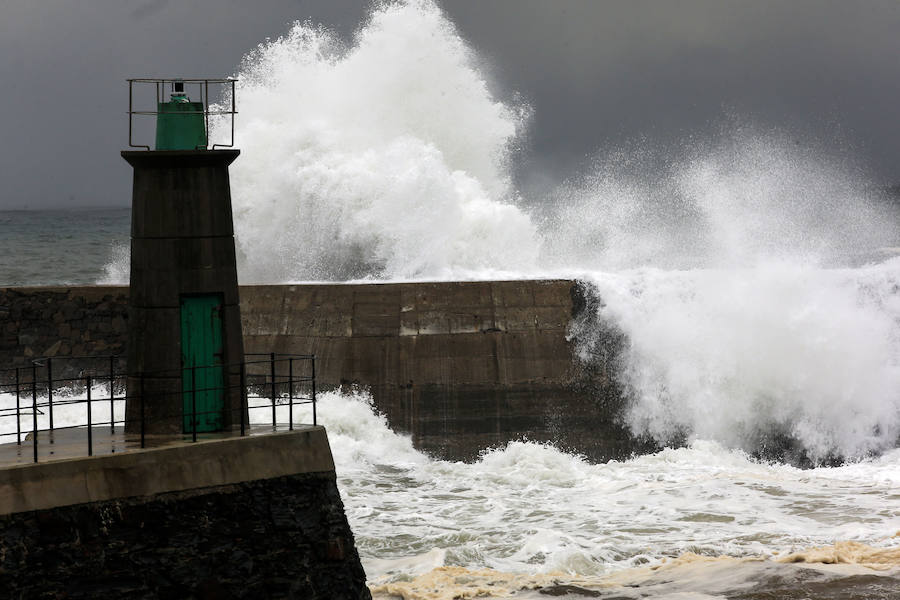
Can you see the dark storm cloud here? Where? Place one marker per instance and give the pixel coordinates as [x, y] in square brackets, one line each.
[596, 74]
[64, 64]
[149, 8]
[599, 73]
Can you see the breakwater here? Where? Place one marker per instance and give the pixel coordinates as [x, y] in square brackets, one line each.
[62, 321]
[243, 517]
[460, 366]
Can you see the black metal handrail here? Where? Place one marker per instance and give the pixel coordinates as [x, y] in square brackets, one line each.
[276, 380]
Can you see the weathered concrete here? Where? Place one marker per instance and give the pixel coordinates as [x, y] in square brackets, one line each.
[182, 244]
[161, 470]
[61, 444]
[239, 517]
[449, 334]
[460, 366]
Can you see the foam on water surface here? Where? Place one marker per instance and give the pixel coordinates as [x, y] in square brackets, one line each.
[689, 577]
[533, 515]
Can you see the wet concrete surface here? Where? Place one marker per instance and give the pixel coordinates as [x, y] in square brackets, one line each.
[69, 443]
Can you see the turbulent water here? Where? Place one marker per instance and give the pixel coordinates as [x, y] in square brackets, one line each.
[753, 275]
[550, 517]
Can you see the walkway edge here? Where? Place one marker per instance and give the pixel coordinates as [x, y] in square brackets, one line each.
[168, 469]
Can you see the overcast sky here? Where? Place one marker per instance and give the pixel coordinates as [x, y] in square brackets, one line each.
[596, 73]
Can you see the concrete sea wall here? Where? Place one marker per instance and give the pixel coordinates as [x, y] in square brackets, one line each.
[460, 366]
[252, 517]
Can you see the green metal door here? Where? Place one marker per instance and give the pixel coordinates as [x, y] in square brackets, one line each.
[201, 359]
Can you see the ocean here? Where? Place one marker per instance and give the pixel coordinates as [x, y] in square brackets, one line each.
[754, 280]
[62, 246]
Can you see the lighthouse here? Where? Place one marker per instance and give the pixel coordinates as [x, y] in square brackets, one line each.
[185, 345]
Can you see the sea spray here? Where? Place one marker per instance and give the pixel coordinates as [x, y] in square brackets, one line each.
[384, 158]
[728, 264]
[738, 198]
[749, 357]
[717, 271]
[117, 269]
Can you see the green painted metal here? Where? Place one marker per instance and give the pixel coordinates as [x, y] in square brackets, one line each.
[180, 124]
[201, 359]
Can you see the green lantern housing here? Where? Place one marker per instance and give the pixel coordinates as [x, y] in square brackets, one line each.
[182, 120]
[180, 123]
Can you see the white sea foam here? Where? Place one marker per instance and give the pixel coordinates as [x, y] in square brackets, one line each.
[737, 354]
[117, 269]
[530, 508]
[385, 158]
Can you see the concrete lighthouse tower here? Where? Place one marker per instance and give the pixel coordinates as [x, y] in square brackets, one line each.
[185, 344]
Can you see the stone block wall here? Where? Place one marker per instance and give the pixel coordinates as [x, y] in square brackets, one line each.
[61, 321]
[285, 537]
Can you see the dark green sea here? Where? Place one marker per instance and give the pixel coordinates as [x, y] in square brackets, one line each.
[64, 246]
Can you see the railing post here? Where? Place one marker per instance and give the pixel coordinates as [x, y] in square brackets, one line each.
[291, 394]
[18, 410]
[272, 363]
[90, 429]
[244, 402]
[313, 360]
[112, 395]
[34, 410]
[194, 403]
[50, 394]
[143, 399]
